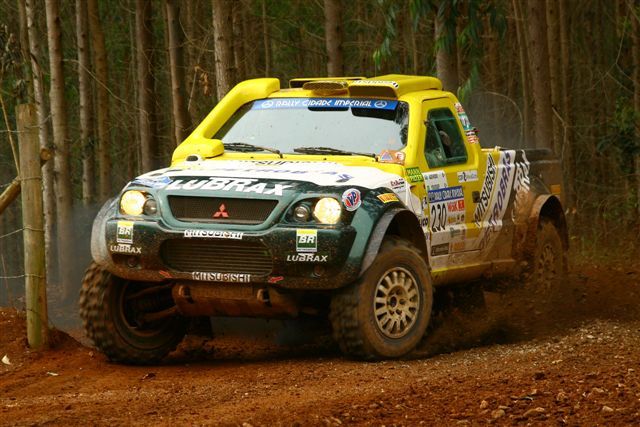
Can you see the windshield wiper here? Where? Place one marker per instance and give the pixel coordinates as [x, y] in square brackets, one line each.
[329, 150]
[246, 148]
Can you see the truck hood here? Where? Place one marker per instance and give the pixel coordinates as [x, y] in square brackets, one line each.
[319, 173]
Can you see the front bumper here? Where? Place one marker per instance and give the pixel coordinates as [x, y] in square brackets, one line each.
[144, 250]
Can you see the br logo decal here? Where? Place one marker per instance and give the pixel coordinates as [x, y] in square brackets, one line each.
[306, 240]
[351, 199]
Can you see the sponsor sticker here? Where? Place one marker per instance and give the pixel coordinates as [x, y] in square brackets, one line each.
[435, 180]
[221, 277]
[492, 213]
[442, 249]
[446, 206]
[213, 234]
[473, 139]
[388, 197]
[414, 175]
[468, 176]
[351, 199]
[275, 279]
[306, 240]
[462, 115]
[397, 184]
[307, 258]
[125, 232]
[241, 185]
[125, 249]
[337, 103]
[376, 83]
[487, 189]
[152, 182]
[392, 156]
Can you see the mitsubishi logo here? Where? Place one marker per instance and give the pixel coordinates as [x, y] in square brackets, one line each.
[222, 212]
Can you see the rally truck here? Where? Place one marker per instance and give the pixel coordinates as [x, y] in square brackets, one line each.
[352, 198]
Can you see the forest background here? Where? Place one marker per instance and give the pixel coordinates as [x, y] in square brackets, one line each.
[119, 83]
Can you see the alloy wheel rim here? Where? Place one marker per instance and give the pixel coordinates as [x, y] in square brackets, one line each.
[546, 268]
[396, 302]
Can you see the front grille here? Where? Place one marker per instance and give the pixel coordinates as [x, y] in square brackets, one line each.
[221, 210]
[221, 256]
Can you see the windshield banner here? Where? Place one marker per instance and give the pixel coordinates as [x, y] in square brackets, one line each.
[330, 103]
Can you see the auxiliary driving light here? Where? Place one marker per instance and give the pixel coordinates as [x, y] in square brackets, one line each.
[150, 207]
[132, 202]
[302, 213]
[327, 210]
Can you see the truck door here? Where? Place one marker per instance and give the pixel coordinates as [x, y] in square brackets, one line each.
[451, 176]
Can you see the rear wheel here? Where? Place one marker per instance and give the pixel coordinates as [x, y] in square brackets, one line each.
[130, 322]
[386, 312]
[547, 267]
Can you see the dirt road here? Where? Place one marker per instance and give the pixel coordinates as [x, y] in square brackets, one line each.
[513, 366]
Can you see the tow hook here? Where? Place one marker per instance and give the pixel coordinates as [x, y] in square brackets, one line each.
[263, 296]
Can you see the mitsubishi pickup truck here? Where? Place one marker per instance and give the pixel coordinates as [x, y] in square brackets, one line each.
[352, 198]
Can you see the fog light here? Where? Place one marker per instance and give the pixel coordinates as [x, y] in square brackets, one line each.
[150, 207]
[302, 213]
[133, 262]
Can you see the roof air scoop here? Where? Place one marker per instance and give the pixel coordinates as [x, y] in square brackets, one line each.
[327, 87]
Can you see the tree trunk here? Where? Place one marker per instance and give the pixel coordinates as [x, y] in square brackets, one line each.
[223, 34]
[527, 125]
[266, 40]
[635, 52]
[62, 166]
[567, 109]
[539, 60]
[181, 118]
[100, 67]
[493, 82]
[24, 49]
[149, 146]
[86, 106]
[446, 56]
[43, 136]
[192, 36]
[238, 41]
[553, 43]
[333, 36]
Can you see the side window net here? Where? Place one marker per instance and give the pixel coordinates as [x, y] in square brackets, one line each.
[444, 144]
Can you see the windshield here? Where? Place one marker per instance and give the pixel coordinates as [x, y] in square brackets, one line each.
[356, 125]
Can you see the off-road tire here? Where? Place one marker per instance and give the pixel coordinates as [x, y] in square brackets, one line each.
[546, 270]
[353, 314]
[101, 297]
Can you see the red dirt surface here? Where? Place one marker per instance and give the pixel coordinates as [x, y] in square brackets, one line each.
[514, 364]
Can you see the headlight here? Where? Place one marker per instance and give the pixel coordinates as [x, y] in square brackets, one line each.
[132, 202]
[327, 210]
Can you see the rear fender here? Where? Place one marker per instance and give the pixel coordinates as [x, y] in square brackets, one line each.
[546, 206]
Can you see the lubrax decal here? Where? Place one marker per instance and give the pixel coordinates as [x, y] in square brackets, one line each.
[229, 184]
[214, 234]
[125, 249]
[307, 258]
[221, 277]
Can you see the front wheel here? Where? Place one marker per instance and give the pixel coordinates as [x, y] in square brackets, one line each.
[130, 322]
[386, 312]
